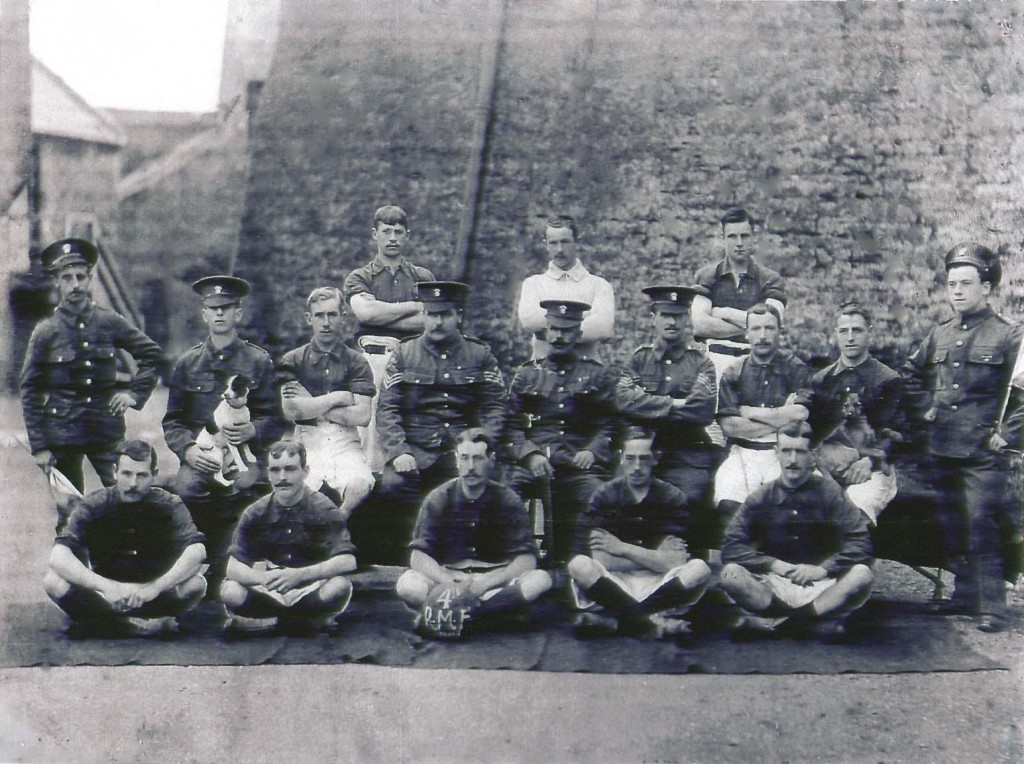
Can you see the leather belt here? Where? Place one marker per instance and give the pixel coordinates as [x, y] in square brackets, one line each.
[719, 349]
[753, 445]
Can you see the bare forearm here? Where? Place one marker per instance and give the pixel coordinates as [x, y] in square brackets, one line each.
[243, 574]
[71, 569]
[299, 409]
[356, 415]
[427, 566]
[740, 427]
[335, 566]
[777, 417]
[492, 579]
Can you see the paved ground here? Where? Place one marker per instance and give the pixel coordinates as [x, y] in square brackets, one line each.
[361, 713]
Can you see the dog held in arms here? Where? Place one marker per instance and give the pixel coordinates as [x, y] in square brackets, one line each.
[232, 410]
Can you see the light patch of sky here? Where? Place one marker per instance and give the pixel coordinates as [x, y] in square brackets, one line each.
[157, 55]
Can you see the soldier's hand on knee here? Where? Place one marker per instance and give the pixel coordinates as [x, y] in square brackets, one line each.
[996, 443]
[803, 575]
[44, 460]
[583, 460]
[201, 461]
[121, 402]
[539, 466]
[404, 463]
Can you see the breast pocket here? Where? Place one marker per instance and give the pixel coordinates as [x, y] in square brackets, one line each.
[985, 365]
[202, 395]
[59, 363]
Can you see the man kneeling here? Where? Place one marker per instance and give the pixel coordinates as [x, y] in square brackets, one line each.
[289, 554]
[635, 532]
[473, 536]
[129, 558]
[797, 548]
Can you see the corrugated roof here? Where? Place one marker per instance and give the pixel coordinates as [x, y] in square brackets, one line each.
[60, 111]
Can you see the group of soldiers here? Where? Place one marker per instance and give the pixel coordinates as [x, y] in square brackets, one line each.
[406, 440]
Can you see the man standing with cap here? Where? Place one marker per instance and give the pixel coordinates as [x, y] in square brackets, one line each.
[71, 394]
[735, 284]
[566, 279]
[562, 422]
[382, 295]
[958, 382]
[198, 381]
[435, 386]
[680, 388]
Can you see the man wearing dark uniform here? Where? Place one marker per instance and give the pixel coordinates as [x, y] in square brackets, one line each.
[957, 382]
[436, 385]
[474, 532]
[382, 295]
[198, 381]
[562, 422]
[128, 560]
[853, 415]
[679, 378]
[72, 395]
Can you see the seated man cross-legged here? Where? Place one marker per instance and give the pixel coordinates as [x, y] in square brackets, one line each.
[797, 548]
[473, 534]
[129, 558]
[290, 553]
[631, 552]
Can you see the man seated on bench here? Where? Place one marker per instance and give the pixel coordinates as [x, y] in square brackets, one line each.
[129, 558]
[631, 551]
[473, 535]
[797, 549]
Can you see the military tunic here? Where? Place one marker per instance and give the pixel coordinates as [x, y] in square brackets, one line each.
[557, 408]
[68, 379]
[961, 373]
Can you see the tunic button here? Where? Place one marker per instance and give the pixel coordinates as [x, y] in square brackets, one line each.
[446, 375]
[964, 327]
[85, 344]
[88, 363]
[959, 343]
[956, 364]
[668, 361]
[88, 381]
[956, 386]
[444, 357]
[561, 389]
[562, 373]
[954, 407]
[561, 405]
[447, 424]
[766, 381]
[446, 395]
[81, 326]
[88, 400]
[668, 377]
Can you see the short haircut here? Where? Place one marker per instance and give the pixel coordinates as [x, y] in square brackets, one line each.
[389, 214]
[564, 221]
[637, 433]
[137, 451]
[324, 293]
[476, 435]
[762, 309]
[737, 215]
[796, 430]
[287, 447]
[854, 308]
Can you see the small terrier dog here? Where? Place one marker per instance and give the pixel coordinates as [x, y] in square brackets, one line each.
[232, 410]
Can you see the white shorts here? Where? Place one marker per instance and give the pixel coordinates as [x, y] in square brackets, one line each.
[378, 363]
[415, 578]
[744, 471]
[793, 595]
[874, 494]
[334, 455]
[638, 584]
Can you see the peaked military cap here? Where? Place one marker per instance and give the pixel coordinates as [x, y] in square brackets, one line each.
[438, 296]
[674, 299]
[67, 252]
[981, 257]
[564, 313]
[217, 291]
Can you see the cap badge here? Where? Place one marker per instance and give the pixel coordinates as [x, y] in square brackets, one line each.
[67, 249]
[437, 293]
[562, 309]
[673, 296]
[218, 289]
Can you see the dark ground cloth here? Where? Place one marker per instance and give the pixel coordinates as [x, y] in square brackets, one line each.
[884, 637]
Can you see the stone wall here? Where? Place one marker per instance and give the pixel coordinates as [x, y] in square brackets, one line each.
[869, 138]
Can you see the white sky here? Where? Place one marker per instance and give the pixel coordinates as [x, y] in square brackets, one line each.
[134, 54]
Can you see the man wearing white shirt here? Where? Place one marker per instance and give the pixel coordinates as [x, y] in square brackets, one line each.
[566, 279]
